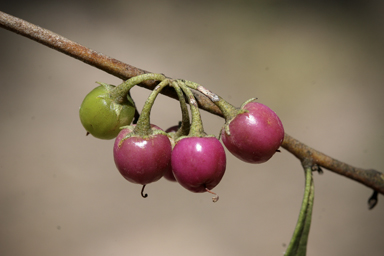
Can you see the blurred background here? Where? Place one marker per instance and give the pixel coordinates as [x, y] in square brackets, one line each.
[317, 64]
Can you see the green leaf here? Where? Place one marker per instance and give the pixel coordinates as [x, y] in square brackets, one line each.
[299, 240]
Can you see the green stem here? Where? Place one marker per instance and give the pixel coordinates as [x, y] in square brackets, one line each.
[143, 126]
[185, 122]
[299, 240]
[228, 110]
[120, 92]
[197, 125]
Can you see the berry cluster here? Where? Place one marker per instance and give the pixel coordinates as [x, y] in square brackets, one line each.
[144, 153]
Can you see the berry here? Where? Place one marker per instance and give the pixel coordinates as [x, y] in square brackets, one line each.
[102, 116]
[198, 160]
[254, 134]
[198, 163]
[171, 132]
[172, 128]
[142, 159]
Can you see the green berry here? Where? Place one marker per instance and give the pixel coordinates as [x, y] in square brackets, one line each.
[102, 116]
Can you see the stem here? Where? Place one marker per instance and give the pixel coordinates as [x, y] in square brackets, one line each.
[143, 126]
[185, 122]
[197, 125]
[119, 93]
[298, 244]
[228, 110]
[370, 178]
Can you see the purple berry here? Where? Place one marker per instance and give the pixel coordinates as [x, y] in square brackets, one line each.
[142, 160]
[169, 175]
[171, 131]
[173, 128]
[254, 135]
[198, 163]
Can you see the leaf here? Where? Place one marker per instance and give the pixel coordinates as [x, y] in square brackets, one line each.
[299, 240]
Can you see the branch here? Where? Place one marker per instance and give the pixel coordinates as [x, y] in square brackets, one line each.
[370, 178]
[91, 57]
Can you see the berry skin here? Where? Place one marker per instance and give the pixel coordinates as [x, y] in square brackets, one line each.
[101, 116]
[171, 132]
[198, 163]
[142, 160]
[254, 134]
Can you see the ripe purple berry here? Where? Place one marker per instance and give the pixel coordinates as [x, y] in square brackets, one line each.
[142, 152]
[253, 135]
[198, 163]
[142, 160]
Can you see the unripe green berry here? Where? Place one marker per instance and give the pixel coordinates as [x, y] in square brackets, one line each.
[102, 116]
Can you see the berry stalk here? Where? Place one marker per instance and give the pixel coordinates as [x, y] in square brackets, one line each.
[185, 122]
[119, 93]
[197, 125]
[143, 126]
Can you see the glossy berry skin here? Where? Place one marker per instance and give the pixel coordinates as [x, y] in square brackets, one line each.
[173, 128]
[171, 131]
[255, 135]
[142, 160]
[169, 175]
[101, 116]
[198, 163]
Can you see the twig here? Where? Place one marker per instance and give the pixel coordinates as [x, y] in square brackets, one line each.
[91, 57]
[370, 178]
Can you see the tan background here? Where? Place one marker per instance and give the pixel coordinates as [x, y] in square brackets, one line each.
[320, 67]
